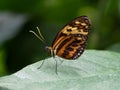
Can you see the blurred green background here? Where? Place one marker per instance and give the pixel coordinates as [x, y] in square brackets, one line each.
[19, 48]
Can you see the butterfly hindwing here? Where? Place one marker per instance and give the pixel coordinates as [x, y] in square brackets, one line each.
[71, 47]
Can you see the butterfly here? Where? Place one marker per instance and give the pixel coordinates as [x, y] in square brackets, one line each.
[70, 41]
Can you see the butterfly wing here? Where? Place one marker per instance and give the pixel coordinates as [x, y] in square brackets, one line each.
[70, 41]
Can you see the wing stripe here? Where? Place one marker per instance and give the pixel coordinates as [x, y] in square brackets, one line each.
[62, 44]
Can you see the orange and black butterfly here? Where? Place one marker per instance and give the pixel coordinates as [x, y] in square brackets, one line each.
[70, 42]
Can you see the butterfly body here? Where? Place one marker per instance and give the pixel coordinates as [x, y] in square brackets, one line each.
[70, 42]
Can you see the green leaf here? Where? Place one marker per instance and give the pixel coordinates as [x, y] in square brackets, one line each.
[94, 70]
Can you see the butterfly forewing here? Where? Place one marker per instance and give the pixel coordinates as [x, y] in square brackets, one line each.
[70, 42]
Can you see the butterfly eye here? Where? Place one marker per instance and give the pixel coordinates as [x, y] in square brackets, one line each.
[48, 49]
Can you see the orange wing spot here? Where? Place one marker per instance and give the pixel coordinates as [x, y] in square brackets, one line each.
[83, 24]
[77, 22]
[81, 31]
[74, 30]
[86, 27]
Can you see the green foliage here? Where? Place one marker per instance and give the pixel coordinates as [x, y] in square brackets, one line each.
[94, 70]
[115, 47]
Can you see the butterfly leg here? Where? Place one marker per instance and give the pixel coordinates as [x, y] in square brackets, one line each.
[56, 66]
[61, 61]
[41, 64]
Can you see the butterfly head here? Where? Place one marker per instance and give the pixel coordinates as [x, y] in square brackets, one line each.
[50, 50]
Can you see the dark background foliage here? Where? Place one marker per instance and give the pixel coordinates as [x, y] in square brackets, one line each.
[19, 48]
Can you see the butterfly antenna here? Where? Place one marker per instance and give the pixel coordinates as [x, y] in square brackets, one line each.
[39, 35]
